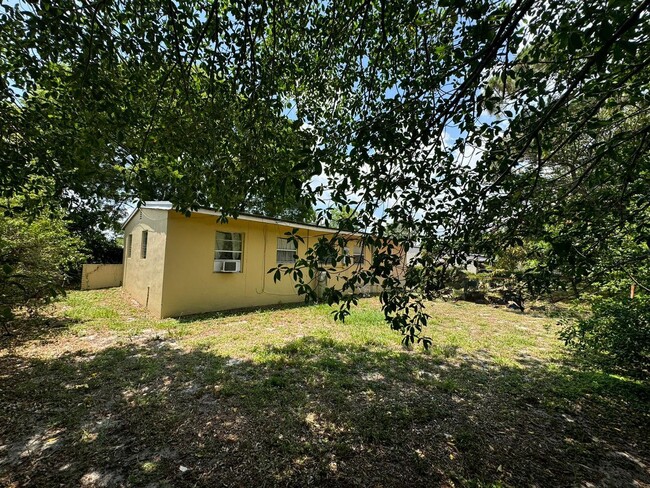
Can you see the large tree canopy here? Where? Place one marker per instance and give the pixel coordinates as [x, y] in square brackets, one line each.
[468, 125]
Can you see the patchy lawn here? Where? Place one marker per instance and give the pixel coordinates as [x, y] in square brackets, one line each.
[102, 395]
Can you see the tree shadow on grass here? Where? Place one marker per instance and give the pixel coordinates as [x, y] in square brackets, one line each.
[42, 328]
[315, 412]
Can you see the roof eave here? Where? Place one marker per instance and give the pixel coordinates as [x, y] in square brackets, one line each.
[164, 205]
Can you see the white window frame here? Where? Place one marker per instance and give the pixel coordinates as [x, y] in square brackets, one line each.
[236, 256]
[144, 244]
[284, 251]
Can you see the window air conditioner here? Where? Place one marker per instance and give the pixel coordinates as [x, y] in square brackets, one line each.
[227, 266]
[231, 266]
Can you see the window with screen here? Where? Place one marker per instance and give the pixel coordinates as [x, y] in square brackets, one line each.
[228, 252]
[286, 252]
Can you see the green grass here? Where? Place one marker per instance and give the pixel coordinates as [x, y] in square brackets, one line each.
[104, 394]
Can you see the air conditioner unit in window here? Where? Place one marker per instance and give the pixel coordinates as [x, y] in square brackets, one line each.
[227, 266]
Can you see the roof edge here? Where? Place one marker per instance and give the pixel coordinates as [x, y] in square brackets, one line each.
[166, 205]
[153, 205]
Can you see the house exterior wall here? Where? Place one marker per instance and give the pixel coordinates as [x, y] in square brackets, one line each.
[143, 278]
[191, 285]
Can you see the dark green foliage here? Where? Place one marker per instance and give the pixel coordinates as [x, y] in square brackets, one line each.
[35, 254]
[511, 277]
[617, 333]
[289, 206]
[97, 226]
[131, 98]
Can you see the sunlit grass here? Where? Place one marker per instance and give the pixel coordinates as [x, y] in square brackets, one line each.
[456, 328]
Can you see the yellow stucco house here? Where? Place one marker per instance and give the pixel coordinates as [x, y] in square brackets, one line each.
[176, 265]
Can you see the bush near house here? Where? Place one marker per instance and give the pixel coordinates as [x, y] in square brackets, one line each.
[492, 285]
[617, 333]
[35, 254]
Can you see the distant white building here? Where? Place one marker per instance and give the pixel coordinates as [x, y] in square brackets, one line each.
[474, 262]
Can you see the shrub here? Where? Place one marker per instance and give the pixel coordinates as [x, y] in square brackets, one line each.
[35, 254]
[491, 285]
[617, 333]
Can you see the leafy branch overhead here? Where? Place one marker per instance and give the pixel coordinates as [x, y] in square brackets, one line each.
[469, 126]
